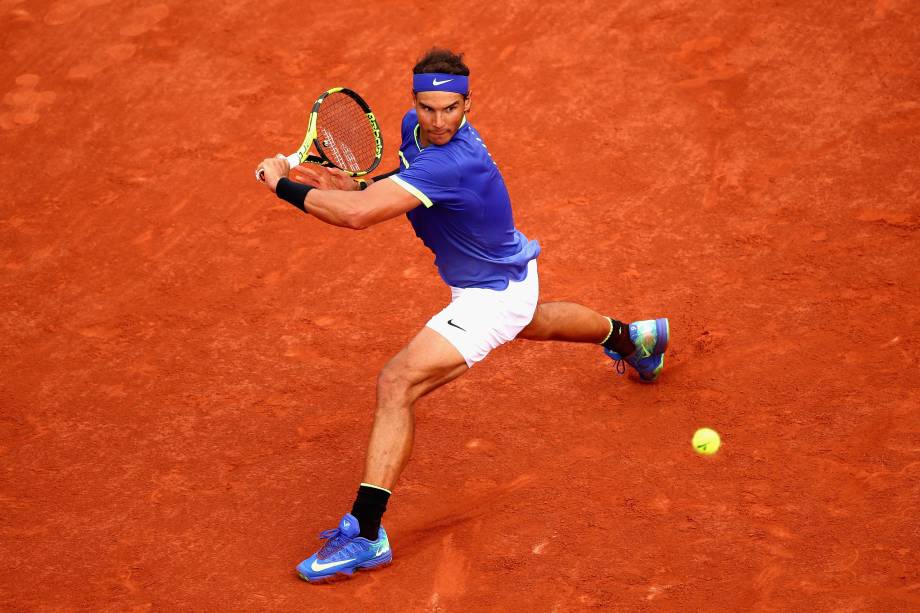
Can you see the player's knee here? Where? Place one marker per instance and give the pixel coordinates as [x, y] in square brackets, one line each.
[392, 382]
[537, 329]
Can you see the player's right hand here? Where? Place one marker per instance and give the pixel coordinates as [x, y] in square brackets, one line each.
[327, 177]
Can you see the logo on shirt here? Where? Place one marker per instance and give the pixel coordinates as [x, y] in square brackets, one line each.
[450, 322]
[435, 82]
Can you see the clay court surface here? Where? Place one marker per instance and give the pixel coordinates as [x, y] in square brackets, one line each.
[188, 364]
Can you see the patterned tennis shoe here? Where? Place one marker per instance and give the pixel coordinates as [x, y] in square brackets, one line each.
[651, 339]
[345, 552]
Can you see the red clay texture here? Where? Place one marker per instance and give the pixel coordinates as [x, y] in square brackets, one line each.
[188, 364]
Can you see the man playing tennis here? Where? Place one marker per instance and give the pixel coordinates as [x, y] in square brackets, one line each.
[455, 198]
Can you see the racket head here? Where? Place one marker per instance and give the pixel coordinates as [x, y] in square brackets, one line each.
[345, 133]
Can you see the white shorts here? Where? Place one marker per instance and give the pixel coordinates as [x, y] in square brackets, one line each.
[478, 320]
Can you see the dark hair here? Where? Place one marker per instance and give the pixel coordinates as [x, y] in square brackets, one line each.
[441, 60]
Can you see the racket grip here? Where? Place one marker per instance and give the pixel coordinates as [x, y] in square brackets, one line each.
[293, 160]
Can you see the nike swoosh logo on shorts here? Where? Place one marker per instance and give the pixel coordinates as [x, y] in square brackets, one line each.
[436, 82]
[450, 322]
[317, 566]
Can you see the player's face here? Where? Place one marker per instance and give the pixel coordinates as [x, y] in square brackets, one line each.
[439, 115]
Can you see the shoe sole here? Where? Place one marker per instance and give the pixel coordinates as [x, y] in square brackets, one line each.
[370, 565]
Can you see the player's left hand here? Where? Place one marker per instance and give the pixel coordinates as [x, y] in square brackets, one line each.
[273, 169]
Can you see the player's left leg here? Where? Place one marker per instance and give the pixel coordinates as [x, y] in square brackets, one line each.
[641, 344]
[360, 542]
[425, 364]
[475, 322]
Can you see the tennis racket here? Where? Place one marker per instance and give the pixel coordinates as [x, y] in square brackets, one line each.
[344, 132]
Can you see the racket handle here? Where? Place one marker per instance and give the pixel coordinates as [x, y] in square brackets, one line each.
[293, 160]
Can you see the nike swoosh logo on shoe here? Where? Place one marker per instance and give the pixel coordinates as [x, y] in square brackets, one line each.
[318, 566]
[381, 551]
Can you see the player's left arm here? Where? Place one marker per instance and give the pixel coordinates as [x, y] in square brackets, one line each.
[346, 208]
[382, 200]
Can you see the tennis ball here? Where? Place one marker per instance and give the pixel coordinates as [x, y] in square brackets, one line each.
[706, 441]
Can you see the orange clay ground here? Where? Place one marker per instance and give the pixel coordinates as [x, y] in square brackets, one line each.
[188, 364]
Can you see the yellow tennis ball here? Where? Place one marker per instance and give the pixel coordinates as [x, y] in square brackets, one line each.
[706, 441]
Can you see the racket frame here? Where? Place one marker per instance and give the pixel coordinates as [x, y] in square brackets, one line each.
[303, 155]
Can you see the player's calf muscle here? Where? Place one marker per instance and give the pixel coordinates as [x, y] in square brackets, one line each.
[565, 321]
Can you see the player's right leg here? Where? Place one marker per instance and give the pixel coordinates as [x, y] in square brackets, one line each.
[641, 344]
[650, 337]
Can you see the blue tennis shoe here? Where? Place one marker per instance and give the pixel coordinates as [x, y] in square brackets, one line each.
[650, 337]
[345, 552]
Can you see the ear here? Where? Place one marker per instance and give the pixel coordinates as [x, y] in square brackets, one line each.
[468, 102]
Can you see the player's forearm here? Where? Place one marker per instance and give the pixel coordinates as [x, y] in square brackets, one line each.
[334, 207]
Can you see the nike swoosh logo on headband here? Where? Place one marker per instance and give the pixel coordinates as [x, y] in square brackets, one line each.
[435, 82]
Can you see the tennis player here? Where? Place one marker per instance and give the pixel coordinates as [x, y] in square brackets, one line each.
[455, 198]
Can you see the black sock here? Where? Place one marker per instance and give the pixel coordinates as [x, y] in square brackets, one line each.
[368, 509]
[619, 340]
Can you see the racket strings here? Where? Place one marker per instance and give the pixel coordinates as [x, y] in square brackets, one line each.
[345, 133]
